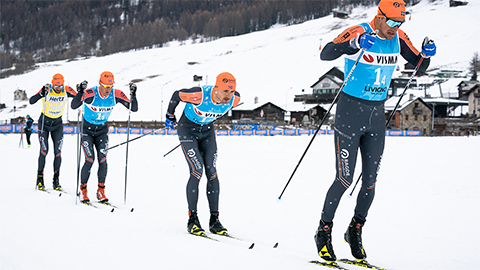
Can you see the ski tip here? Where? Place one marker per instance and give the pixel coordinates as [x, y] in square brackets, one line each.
[276, 245]
[251, 246]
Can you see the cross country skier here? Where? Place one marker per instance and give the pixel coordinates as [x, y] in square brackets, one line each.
[54, 97]
[360, 117]
[99, 103]
[197, 136]
[28, 129]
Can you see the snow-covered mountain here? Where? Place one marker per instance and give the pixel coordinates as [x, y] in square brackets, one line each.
[272, 65]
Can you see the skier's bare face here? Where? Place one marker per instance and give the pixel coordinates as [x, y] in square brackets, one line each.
[222, 96]
[385, 31]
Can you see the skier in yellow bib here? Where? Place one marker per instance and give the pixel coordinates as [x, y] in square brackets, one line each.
[54, 98]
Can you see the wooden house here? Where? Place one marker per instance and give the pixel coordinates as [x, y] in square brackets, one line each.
[412, 114]
[324, 89]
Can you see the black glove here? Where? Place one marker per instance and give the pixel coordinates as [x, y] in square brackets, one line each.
[81, 87]
[44, 90]
[133, 88]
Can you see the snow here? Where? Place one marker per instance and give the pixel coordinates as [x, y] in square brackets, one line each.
[424, 216]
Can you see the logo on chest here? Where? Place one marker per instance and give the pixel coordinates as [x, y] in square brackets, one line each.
[207, 114]
[380, 59]
[55, 99]
[100, 109]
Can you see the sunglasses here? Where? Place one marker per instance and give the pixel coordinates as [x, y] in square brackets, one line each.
[389, 21]
[58, 86]
[106, 85]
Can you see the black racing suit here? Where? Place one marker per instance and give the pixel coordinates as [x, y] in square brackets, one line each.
[53, 126]
[96, 135]
[199, 146]
[198, 141]
[28, 130]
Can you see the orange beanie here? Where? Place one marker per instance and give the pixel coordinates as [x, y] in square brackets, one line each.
[225, 81]
[107, 78]
[392, 8]
[57, 79]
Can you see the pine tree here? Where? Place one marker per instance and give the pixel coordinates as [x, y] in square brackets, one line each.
[474, 66]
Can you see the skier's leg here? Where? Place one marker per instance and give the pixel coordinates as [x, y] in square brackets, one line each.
[347, 139]
[57, 138]
[101, 144]
[371, 148]
[208, 148]
[87, 146]
[43, 141]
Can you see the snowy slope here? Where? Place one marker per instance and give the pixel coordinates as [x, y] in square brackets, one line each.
[272, 65]
[424, 216]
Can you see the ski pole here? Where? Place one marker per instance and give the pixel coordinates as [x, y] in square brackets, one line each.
[396, 107]
[136, 138]
[79, 143]
[172, 150]
[21, 139]
[323, 120]
[126, 153]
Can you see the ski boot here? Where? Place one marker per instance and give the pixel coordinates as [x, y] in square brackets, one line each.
[193, 224]
[215, 226]
[101, 193]
[353, 236]
[56, 182]
[323, 240]
[83, 193]
[40, 184]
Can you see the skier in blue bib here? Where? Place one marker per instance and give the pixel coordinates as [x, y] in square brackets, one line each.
[360, 116]
[99, 102]
[197, 136]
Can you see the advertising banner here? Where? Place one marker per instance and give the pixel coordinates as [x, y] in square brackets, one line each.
[6, 128]
[247, 132]
[395, 133]
[147, 131]
[289, 132]
[413, 133]
[222, 132]
[161, 132]
[275, 132]
[68, 130]
[304, 132]
[135, 131]
[235, 132]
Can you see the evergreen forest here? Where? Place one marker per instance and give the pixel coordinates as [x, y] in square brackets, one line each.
[40, 31]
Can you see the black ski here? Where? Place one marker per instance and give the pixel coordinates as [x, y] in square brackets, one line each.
[332, 265]
[362, 263]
